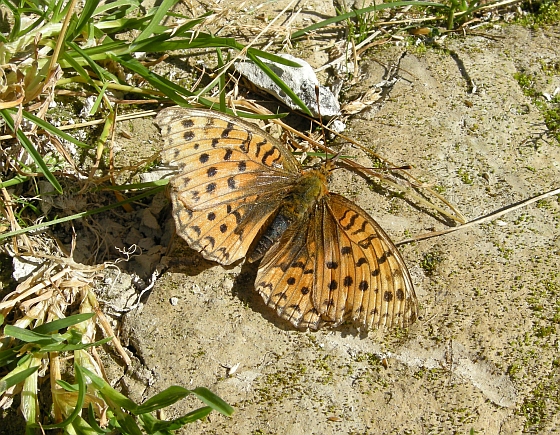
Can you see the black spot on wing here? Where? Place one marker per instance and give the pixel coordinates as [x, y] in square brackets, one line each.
[361, 261]
[237, 216]
[351, 222]
[211, 241]
[223, 253]
[227, 130]
[361, 229]
[365, 243]
[259, 146]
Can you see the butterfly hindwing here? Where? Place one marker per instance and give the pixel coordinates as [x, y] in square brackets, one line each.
[225, 232]
[285, 278]
[375, 286]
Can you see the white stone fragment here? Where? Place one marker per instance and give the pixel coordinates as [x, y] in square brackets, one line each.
[301, 80]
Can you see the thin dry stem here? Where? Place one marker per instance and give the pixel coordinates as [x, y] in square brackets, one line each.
[483, 219]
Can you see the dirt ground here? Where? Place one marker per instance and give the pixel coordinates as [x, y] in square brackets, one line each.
[483, 356]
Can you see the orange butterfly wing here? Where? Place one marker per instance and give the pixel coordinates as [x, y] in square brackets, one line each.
[359, 272]
[286, 280]
[337, 264]
[232, 179]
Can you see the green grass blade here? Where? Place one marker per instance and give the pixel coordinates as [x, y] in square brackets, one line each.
[93, 421]
[100, 52]
[278, 81]
[212, 400]
[63, 347]
[222, 81]
[8, 356]
[10, 379]
[167, 397]
[82, 427]
[26, 143]
[101, 73]
[18, 179]
[119, 5]
[154, 425]
[47, 126]
[358, 12]
[273, 58]
[29, 336]
[82, 389]
[160, 13]
[59, 324]
[60, 10]
[67, 386]
[109, 392]
[84, 17]
[167, 87]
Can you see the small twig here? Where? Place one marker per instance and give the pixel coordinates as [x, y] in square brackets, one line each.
[483, 219]
[110, 333]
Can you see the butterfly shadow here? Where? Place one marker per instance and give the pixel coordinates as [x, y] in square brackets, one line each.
[182, 259]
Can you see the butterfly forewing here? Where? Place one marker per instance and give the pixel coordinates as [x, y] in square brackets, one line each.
[190, 133]
[233, 177]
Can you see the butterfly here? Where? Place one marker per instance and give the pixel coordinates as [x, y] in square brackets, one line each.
[239, 193]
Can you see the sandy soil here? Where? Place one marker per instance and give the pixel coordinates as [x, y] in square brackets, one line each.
[484, 355]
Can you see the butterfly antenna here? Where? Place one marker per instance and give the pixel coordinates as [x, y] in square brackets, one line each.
[321, 120]
[327, 165]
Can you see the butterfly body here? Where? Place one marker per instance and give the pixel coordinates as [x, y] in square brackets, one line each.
[310, 188]
[240, 194]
